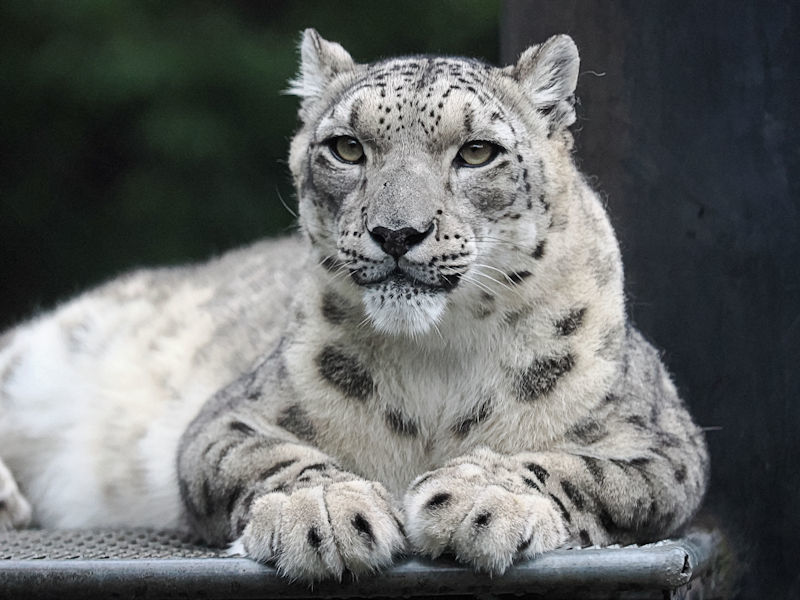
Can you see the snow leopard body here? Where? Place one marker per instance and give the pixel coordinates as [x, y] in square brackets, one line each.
[441, 362]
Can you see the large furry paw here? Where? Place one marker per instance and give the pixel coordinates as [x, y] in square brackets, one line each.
[320, 532]
[485, 520]
[15, 511]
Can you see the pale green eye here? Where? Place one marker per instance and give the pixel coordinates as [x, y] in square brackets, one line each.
[347, 149]
[477, 153]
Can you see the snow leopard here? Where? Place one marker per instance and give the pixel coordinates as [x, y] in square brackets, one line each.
[439, 363]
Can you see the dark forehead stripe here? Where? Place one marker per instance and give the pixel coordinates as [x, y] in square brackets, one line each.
[296, 421]
[355, 110]
[543, 375]
[344, 372]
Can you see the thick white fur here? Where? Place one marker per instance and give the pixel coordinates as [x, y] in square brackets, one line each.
[88, 428]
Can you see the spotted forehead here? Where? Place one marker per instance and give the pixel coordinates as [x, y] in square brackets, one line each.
[433, 97]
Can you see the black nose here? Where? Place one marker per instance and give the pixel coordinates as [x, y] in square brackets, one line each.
[396, 242]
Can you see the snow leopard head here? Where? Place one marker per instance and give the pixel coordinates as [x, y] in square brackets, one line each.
[428, 180]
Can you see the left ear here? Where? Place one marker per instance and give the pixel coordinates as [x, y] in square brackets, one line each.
[320, 62]
[549, 74]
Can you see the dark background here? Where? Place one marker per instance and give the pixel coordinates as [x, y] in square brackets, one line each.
[692, 134]
[138, 133]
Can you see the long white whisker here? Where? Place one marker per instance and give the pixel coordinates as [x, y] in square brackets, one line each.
[478, 284]
[488, 240]
[500, 283]
[286, 206]
[436, 327]
[503, 273]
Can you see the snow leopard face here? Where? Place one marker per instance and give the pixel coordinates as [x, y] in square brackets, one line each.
[426, 179]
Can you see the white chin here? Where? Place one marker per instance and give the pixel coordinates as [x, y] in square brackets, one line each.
[398, 309]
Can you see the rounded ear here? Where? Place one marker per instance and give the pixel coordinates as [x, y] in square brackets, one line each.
[320, 62]
[549, 73]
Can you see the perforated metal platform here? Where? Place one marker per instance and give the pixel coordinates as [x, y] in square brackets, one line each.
[147, 564]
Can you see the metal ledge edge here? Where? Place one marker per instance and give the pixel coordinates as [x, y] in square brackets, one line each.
[664, 566]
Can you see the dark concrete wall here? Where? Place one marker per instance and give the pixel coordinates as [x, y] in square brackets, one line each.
[693, 135]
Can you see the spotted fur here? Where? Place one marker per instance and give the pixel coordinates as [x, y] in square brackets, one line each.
[441, 362]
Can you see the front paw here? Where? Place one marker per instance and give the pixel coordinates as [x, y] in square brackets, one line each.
[486, 522]
[319, 532]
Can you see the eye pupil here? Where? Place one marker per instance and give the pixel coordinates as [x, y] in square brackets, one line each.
[347, 149]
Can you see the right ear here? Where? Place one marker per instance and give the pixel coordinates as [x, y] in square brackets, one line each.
[549, 73]
[320, 62]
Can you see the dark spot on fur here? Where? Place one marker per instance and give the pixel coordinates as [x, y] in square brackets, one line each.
[482, 520]
[540, 472]
[607, 521]
[482, 311]
[276, 468]
[637, 420]
[401, 424]
[309, 468]
[562, 508]
[570, 323]
[344, 372]
[242, 428]
[513, 318]
[438, 500]
[574, 494]
[543, 375]
[233, 498]
[595, 468]
[539, 251]
[314, 539]
[524, 545]
[587, 432]
[363, 527]
[295, 420]
[531, 483]
[680, 473]
[333, 307]
[462, 428]
[355, 109]
[586, 540]
[518, 276]
[610, 399]
[223, 453]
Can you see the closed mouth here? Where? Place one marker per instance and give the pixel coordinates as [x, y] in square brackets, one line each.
[400, 278]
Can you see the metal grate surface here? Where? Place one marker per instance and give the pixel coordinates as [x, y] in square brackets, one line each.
[141, 564]
[93, 544]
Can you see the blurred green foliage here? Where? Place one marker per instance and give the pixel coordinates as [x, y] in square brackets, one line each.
[143, 132]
